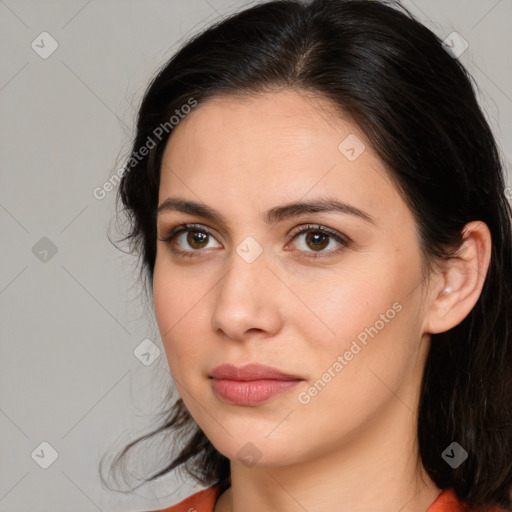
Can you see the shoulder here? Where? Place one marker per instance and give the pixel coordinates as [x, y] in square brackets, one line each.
[448, 501]
[202, 501]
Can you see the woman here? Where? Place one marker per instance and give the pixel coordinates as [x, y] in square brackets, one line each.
[320, 209]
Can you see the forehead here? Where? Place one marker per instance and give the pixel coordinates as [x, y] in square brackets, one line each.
[272, 147]
[284, 121]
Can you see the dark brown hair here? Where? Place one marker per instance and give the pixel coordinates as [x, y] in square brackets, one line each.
[416, 104]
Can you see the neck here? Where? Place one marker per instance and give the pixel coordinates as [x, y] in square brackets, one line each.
[376, 470]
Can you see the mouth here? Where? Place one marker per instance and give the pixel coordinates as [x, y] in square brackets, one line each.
[250, 392]
[250, 372]
[250, 384]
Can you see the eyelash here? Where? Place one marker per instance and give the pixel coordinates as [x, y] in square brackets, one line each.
[198, 228]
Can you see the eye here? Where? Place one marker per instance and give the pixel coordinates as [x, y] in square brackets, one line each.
[198, 237]
[194, 236]
[319, 238]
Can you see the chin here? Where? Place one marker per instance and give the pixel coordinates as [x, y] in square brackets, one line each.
[258, 450]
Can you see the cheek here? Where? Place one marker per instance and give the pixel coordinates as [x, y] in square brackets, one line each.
[343, 303]
[368, 317]
[175, 306]
[371, 356]
[163, 300]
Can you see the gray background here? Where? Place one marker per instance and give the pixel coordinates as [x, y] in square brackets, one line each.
[70, 321]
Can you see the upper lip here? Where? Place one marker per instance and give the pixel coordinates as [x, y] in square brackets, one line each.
[250, 372]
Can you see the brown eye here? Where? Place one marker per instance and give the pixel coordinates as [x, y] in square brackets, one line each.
[189, 240]
[317, 240]
[314, 239]
[197, 239]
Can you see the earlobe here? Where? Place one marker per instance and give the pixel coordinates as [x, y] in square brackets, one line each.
[462, 280]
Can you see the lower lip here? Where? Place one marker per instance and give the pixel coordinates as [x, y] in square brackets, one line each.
[250, 392]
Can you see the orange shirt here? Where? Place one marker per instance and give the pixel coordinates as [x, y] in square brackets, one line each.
[204, 501]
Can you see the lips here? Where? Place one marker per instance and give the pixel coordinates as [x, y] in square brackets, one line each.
[251, 384]
[250, 372]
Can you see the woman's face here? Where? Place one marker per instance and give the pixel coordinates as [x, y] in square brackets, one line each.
[340, 310]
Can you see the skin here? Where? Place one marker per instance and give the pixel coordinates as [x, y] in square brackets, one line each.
[353, 447]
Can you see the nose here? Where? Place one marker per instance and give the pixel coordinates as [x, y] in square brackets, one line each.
[247, 300]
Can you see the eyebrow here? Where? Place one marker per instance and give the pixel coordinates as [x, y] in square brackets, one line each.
[271, 216]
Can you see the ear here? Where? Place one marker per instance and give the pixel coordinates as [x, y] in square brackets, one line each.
[458, 287]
